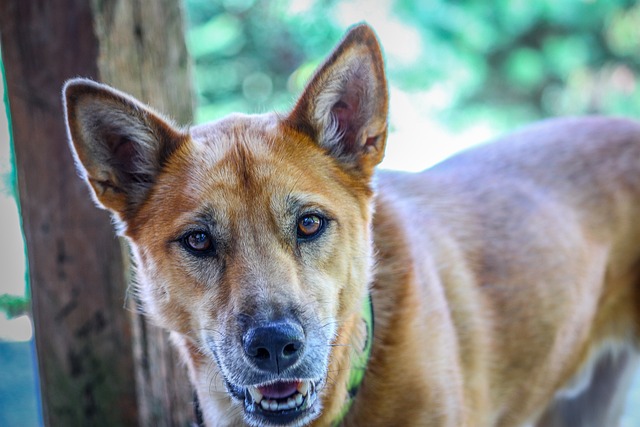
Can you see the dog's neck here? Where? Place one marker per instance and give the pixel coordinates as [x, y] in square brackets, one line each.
[359, 361]
[349, 360]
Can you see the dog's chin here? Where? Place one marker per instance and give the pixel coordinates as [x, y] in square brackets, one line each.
[291, 403]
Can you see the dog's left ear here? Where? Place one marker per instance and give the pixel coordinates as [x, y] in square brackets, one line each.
[344, 107]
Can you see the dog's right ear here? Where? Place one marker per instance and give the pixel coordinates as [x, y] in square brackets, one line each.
[118, 143]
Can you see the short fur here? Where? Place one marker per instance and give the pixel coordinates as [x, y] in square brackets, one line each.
[505, 280]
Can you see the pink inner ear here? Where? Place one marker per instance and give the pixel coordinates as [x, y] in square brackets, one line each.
[345, 112]
[123, 151]
[372, 142]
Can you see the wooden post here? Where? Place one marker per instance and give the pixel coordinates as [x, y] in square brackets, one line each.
[84, 331]
[143, 52]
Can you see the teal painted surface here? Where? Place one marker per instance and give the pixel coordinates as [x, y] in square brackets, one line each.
[631, 416]
[19, 405]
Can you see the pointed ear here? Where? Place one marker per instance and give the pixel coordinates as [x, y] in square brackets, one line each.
[119, 144]
[344, 107]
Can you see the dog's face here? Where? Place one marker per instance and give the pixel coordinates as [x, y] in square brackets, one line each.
[251, 234]
[254, 260]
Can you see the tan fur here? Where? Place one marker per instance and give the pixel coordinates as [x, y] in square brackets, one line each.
[501, 278]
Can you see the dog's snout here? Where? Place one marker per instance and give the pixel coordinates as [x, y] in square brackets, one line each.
[274, 347]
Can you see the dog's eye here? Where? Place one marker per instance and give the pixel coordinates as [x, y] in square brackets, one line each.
[310, 226]
[198, 242]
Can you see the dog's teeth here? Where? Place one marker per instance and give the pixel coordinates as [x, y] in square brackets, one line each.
[291, 403]
[303, 387]
[255, 393]
[282, 406]
[278, 404]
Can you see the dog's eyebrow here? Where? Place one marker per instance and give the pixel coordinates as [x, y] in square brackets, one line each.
[203, 216]
[295, 203]
[301, 200]
[206, 216]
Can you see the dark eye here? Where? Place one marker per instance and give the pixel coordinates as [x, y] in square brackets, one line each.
[198, 242]
[310, 226]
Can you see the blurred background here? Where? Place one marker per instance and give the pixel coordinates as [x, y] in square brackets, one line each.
[460, 72]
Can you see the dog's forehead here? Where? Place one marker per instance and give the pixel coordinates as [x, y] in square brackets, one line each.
[245, 170]
[242, 162]
[233, 122]
[244, 151]
[217, 139]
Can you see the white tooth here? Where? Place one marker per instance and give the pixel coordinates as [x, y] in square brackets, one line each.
[282, 406]
[291, 402]
[264, 404]
[303, 387]
[299, 399]
[255, 393]
[273, 405]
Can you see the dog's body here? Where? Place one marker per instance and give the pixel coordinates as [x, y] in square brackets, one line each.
[518, 263]
[501, 279]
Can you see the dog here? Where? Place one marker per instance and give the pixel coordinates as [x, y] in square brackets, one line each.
[302, 287]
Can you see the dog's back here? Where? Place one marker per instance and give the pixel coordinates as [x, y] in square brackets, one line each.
[536, 242]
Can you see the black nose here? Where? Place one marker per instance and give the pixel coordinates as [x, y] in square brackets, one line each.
[275, 346]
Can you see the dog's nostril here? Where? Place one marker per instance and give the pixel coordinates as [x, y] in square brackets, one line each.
[262, 354]
[291, 349]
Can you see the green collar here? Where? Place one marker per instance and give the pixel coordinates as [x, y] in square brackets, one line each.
[359, 364]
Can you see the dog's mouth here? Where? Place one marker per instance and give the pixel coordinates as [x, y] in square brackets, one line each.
[279, 402]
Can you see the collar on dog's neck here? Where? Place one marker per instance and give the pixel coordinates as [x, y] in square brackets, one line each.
[356, 374]
[359, 365]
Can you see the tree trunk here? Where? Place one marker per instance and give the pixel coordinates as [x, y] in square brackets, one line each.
[143, 52]
[91, 341]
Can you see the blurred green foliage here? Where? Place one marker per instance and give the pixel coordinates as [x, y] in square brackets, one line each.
[251, 55]
[508, 61]
[14, 306]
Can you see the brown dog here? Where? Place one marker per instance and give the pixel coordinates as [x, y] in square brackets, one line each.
[504, 282]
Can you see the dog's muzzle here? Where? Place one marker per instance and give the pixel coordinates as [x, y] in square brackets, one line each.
[276, 373]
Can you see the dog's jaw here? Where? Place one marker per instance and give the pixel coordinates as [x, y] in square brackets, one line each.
[290, 399]
[324, 395]
[298, 406]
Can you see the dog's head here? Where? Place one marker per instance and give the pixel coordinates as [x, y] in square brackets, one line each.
[250, 234]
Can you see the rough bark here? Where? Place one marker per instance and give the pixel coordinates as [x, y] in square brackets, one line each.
[142, 52]
[86, 329]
